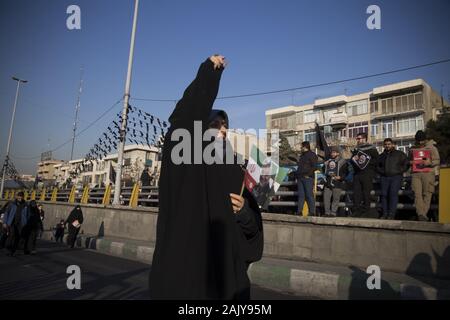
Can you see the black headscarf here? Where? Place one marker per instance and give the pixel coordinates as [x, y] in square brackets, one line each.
[75, 214]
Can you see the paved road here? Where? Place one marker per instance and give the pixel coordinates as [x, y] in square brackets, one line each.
[43, 276]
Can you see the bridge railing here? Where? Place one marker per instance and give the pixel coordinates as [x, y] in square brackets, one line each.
[284, 201]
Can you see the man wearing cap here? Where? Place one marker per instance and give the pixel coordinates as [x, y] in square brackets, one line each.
[16, 217]
[424, 159]
[336, 169]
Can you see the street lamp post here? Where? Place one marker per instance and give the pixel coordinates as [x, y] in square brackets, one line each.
[123, 129]
[8, 146]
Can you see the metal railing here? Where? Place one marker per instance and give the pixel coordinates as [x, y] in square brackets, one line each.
[285, 200]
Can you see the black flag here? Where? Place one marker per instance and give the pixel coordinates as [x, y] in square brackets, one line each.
[321, 143]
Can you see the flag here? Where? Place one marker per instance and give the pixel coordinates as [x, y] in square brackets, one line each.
[321, 143]
[253, 171]
[281, 175]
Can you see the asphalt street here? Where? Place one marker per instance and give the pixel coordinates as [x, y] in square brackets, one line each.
[44, 276]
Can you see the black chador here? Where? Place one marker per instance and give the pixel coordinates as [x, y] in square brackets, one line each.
[203, 249]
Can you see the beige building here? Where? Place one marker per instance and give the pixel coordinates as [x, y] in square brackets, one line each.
[136, 157]
[46, 169]
[396, 111]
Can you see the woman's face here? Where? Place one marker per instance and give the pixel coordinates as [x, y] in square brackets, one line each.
[221, 125]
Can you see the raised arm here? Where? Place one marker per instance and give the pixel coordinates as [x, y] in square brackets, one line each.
[199, 96]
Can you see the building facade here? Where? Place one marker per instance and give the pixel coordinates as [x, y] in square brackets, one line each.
[394, 111]
[102, 172]
[46, 169]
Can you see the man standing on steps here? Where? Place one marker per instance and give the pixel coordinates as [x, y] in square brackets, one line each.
[364, 161]
[392, 164]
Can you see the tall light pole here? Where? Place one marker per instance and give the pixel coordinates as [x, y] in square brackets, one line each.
[123, 129]
[77, 109]
[5, 165]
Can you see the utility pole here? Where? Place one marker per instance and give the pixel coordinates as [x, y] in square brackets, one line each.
[123, 129]
[8, 147]
[77, 109]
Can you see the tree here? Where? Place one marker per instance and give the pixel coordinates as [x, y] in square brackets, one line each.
[439, 131]
[287, 154]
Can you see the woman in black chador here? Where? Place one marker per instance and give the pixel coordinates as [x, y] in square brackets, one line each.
[74, 222]
[207, 234]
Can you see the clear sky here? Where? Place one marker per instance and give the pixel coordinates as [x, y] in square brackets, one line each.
[270, 45]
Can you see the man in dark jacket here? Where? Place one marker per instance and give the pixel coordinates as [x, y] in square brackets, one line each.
[307, 164]
[364, 162]
[16, 217]
[392, 164]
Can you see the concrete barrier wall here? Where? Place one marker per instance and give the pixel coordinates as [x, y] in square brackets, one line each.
[419, 248]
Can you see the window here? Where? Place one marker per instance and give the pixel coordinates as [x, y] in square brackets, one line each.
[374, 129]
[418, 101]
[374, 107]
[357, 127]
[127, 162]
[311, 116]
[310, 135]
[388, 129]
[409, 126]
[357, 107]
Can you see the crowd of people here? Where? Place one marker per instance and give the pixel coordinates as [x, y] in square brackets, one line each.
[22, 223]
[358, 173]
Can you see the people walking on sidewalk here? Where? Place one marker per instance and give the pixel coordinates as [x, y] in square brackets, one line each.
[307, 164]
[424, 159]
[16, 218]
[74, 222]
[364, 162]
[59, 231]
[42, 218]
[392, 164]
[336, 170]
[32, 227]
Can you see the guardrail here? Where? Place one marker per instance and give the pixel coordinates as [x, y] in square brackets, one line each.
[284, 201]
[131, 196]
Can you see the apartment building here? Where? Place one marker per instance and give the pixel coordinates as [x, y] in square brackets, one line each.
[396, 111]
[99, 172]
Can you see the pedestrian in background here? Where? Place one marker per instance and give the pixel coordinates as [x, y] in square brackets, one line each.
[392, 164]
[307, 164]
[32, 227]
[424, 159]
[42, 217]
[16, 218]
[59, 231]
[74, 222]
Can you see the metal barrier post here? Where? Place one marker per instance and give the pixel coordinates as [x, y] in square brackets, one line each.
[444, 201]
[134, 196]
[43, 194]
[54, 195]
[72, 195]
[107, 195]
[85, 196]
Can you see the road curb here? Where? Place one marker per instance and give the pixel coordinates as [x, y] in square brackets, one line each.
[305, 283]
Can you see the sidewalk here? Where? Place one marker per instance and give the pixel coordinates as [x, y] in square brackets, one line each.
[299, 278]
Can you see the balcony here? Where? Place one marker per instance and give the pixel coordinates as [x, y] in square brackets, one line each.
[337, 121]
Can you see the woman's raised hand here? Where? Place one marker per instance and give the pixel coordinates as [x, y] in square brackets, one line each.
[218, 60]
